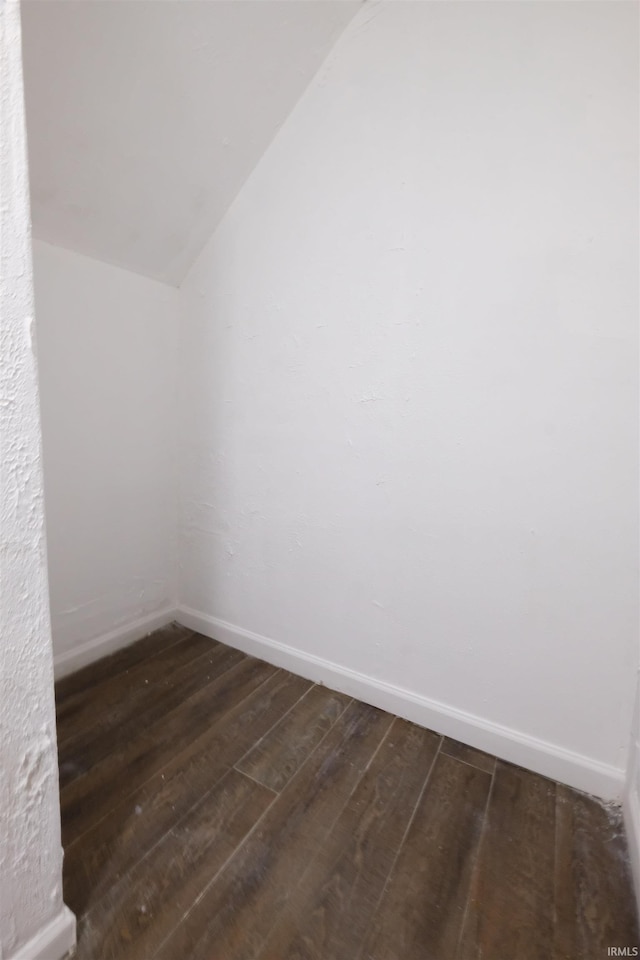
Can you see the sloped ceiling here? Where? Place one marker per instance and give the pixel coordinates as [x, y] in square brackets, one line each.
[145, 117]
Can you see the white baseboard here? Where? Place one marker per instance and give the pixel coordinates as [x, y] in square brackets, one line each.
[631, 810]
[84, 653]
[548, 759]
[53, 941]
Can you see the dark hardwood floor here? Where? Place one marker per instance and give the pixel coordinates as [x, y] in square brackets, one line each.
[217, 808]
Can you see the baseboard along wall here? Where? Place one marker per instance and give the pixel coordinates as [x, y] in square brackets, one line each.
[53, 941]
[548, 759]
[71, 660]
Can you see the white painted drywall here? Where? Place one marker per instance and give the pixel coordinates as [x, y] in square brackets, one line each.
[107, 378]
[410, 373]
[30, 848]
[145, 119]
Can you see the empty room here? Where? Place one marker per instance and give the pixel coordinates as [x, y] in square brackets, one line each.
[319, 596]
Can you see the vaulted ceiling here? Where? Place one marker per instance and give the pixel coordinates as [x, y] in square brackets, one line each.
[145, 117]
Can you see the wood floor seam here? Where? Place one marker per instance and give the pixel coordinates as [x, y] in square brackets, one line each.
[279, 800]
[149, 851]
[218, 873]
[467, 762]
[162, 720]
[485, 816]
[176, 710]
[159, 724]
[278, 755]
[331, 826]
[266, 734]
[243, 773]
[186, 779]
[404, 837]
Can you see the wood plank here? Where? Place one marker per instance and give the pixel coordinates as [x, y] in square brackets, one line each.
[279, 755]
[78, 711]
[331, 909]
[510, 909]
[111, 733]
[89, 798]
[115, 844]
[117, 662]
[477, 758]
[595, 907]
[422, 910]
[135, 917]
[237, 911]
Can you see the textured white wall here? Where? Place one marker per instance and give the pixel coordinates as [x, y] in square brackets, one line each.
[410, 373]
[30, 850]
[108, 385]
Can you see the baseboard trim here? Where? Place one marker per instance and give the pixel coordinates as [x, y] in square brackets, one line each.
[85, 653]
[550, 760]
[53, 942]
[631, 810]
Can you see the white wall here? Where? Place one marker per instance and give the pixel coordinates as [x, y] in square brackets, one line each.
[410, 422]
[107, 373]
[33, 920]
[145, 119]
